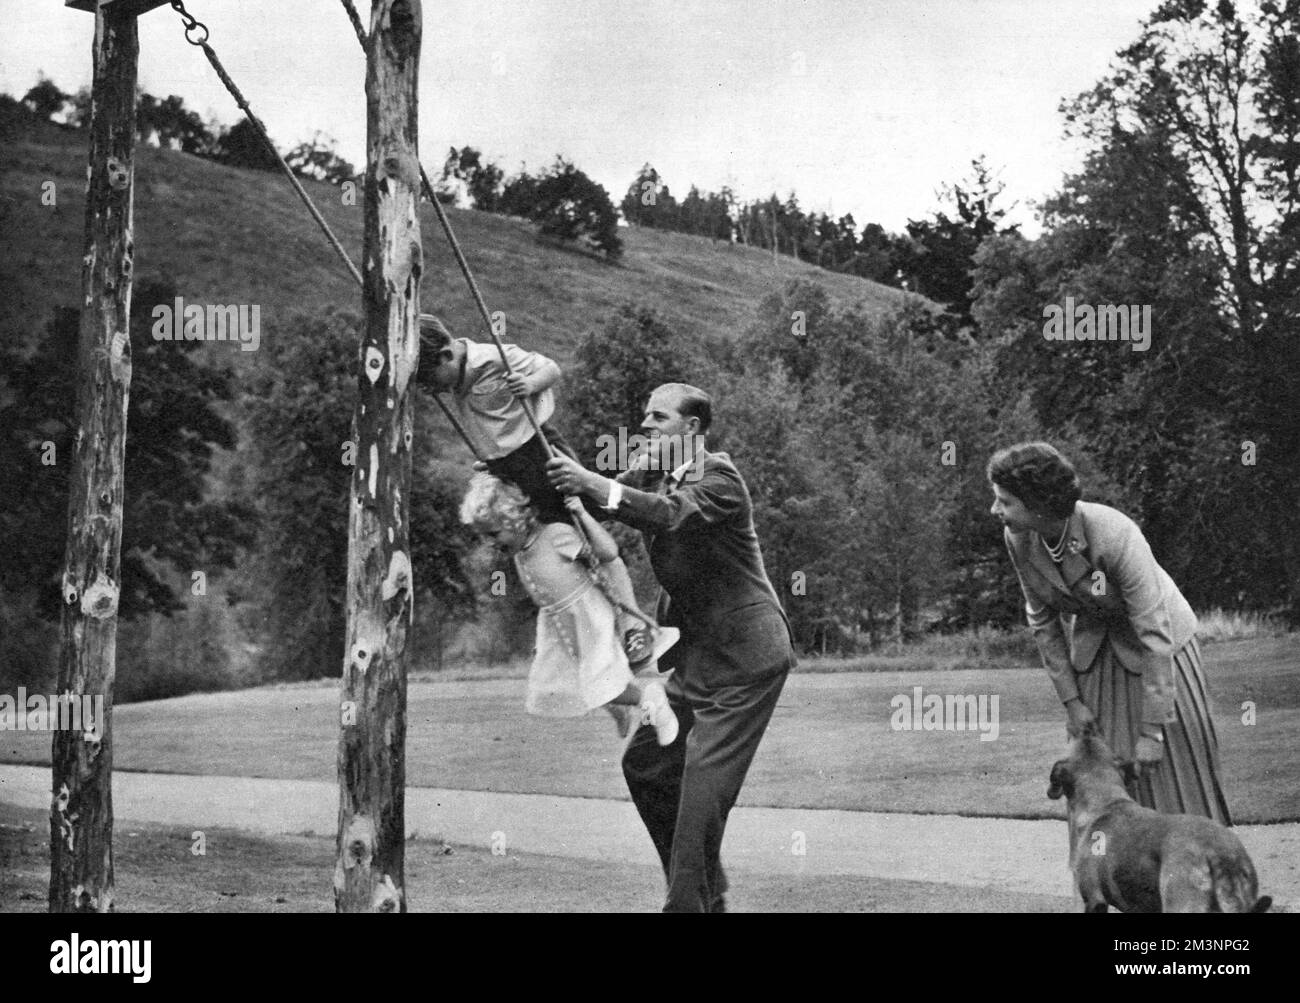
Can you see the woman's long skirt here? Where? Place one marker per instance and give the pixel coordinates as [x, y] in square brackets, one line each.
[1186, 780]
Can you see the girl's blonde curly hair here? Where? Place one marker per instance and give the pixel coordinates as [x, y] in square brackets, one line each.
[491, 504]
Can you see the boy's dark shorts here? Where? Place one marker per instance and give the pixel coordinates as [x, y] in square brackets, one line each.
[526, 467]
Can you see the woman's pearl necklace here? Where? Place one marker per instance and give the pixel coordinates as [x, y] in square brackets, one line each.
[1058, 552]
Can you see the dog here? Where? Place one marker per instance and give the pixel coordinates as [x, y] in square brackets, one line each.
[1138, 860]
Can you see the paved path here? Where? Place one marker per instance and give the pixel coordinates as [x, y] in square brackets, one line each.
[1010, 854]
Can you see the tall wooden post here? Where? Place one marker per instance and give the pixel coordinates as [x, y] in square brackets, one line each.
[370, 873]
[81, 810]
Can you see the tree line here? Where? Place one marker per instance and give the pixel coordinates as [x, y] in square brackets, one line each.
[931, 258]
[168, 122]
[567, 205]
[863, 436]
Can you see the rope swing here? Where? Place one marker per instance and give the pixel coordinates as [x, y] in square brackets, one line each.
[445, 223]
[196, 33]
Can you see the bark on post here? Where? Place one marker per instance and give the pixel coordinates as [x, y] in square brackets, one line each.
[81, 809]
[370, 873]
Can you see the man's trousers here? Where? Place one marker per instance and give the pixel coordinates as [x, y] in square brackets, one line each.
[686, 790]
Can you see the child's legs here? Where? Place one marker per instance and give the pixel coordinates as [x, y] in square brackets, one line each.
[561, 445]
[526, 468]
[615, 576]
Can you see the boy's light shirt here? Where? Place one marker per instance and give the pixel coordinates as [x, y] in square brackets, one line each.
[493, 417]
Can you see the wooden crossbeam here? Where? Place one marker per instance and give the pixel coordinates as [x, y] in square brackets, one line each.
[130, 8]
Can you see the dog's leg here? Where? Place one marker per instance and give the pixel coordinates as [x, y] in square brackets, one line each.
[1187, 886]
[1074, 835]
[1088, 885]
[1235, 886]
[1089, 890]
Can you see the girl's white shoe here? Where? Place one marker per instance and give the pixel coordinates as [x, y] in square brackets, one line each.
[658, 713]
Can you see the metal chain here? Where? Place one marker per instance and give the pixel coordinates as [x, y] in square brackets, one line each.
[190, 23]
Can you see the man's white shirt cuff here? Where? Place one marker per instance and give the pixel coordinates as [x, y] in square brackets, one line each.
[615, 496]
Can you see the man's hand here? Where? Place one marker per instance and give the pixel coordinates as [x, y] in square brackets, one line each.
[1081, 718]
[569, 477]
[520, 386]
[1148, 752]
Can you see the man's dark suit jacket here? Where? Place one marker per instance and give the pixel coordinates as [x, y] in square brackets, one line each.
[706, 555]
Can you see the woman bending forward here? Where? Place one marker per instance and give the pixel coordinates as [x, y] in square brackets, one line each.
[1131, 663]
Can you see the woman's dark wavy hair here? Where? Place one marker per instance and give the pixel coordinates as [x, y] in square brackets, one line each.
[1037, 474]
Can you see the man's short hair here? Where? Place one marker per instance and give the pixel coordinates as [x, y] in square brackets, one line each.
[692, 402]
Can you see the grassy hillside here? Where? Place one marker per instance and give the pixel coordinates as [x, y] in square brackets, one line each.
[230, 236]
[233, 236]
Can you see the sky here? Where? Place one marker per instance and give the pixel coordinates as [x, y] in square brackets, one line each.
[861, 106]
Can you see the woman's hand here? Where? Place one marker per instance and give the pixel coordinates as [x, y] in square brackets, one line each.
[520, 386]
[1148, 752]
[574, 504]
[1081, 718]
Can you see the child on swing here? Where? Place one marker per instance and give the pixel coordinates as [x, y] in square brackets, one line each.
[486, 400]
[580, 663]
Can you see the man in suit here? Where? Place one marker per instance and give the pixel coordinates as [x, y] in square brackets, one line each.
[735, 650]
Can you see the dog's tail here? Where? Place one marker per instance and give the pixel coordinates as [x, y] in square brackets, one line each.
[1236, 888]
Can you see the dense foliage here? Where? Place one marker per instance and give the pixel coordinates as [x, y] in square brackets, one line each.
[298, 462]
[175, 424]
[862, 437]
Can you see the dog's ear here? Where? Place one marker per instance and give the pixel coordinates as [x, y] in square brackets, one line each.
[1062, 780]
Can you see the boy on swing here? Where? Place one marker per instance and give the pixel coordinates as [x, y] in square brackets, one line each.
[486, 400]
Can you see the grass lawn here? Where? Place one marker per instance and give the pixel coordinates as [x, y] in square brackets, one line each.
[155, 871]
[830, 744]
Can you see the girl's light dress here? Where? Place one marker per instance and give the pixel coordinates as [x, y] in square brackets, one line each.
[579, 663]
